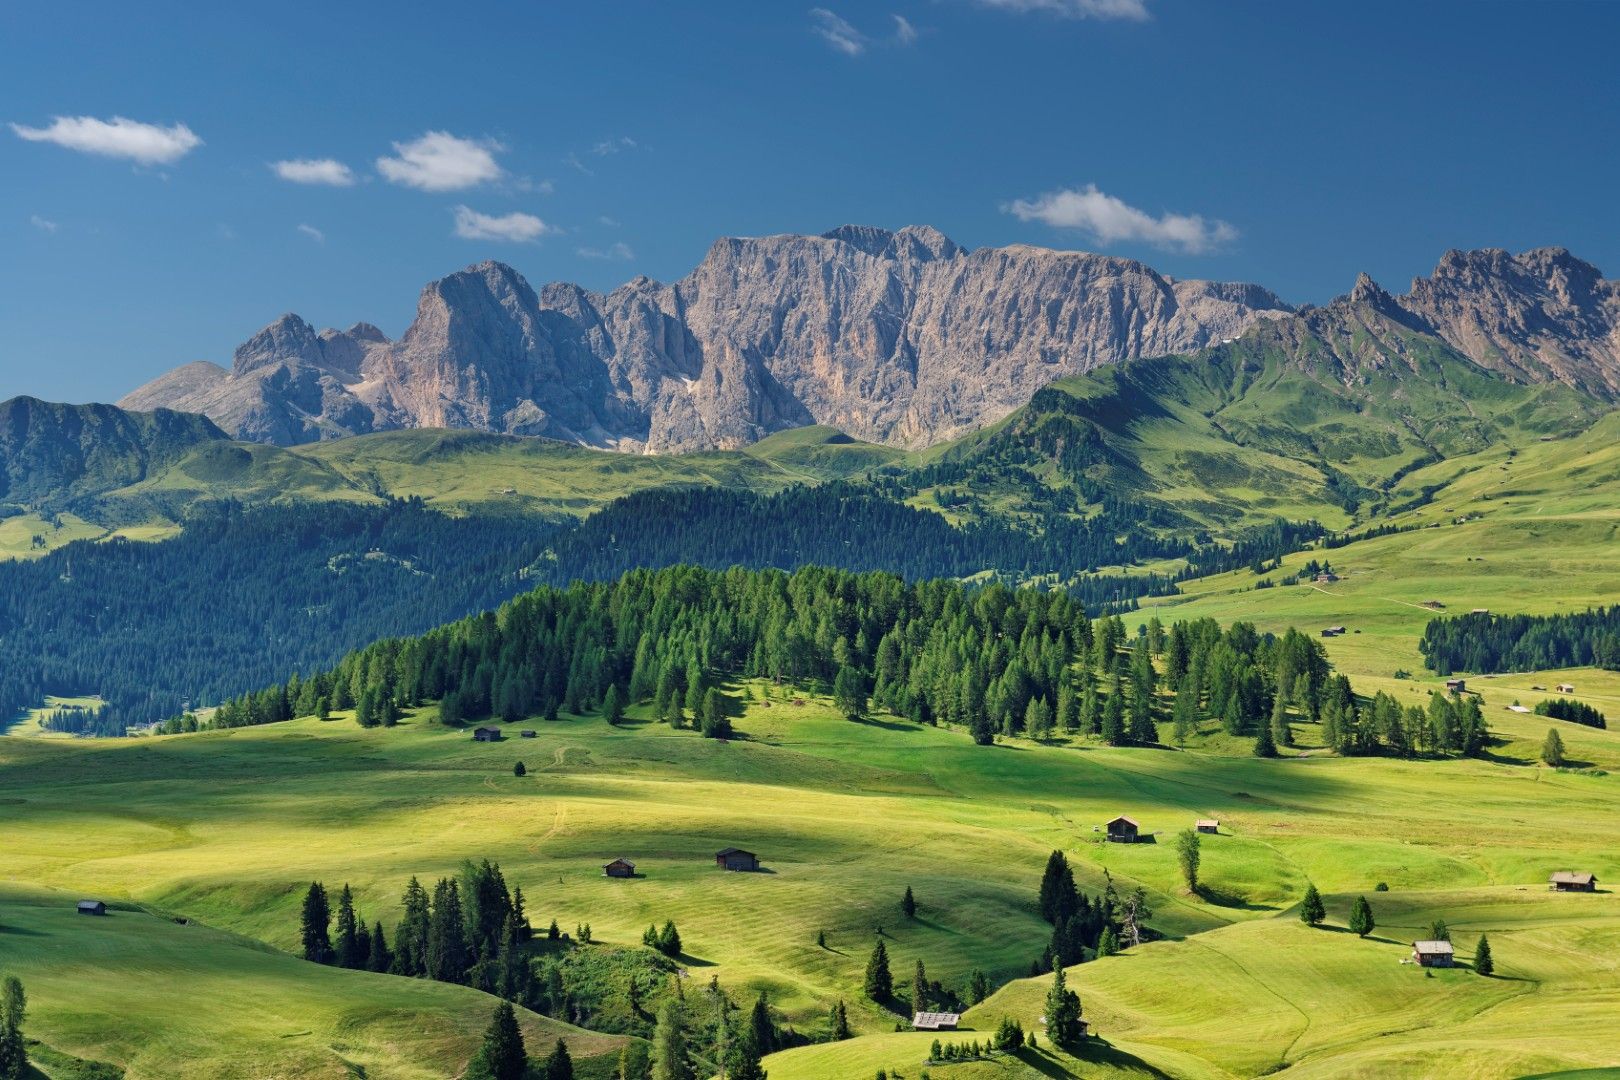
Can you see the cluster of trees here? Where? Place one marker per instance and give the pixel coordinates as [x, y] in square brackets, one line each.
[1576, 712]
[1481, 641]
[13, 1050]
[699, 1036]
[666, 941]
[1452, 724]
[239, 598]
[1085, 927]
[472, 931]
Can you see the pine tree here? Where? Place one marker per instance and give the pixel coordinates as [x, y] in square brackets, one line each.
[13, 1047]
[978, 986]
[316, 925]
[747, 1064]
[669, 940]
[1062, 1011]
[879, 982]
[410, 939]
[838, 1021]
[849, 692]
[1189, 855]
[446, 957]
[520, 769]
[908, 904]
[1361, 917]
[1113, 714]
[613, 704]
[503, 1056]
[669, 1056]
[1281, 733]
[1483, 964]
[558, 1064]
[378, 958]
[1264, 745]
[347, 945]
[1108, 942]
[1439, 931]
[761, 1030]
[1311, 910]
[1552, 749]
[919, 989]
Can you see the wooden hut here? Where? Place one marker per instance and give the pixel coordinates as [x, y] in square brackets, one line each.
[1565, 688]
[935, 1021]
[1207, 825]
[92, 907]
[1123, 830]
[620, 868]
[1456, 686]
[1572, 881]
[736, 859]
[1433, 953]
[486, 734]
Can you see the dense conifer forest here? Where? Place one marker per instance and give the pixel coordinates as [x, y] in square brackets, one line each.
[1482, 642]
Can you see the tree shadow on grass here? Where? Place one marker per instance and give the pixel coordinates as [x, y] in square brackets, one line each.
[1092, 1051]
[887, 725]
[1219, 897]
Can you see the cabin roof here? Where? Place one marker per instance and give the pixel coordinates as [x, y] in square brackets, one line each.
[1211, 822]
[732, 851]
[1572, 877]
[1432, 948]
[1132, 822]
[935, 1020]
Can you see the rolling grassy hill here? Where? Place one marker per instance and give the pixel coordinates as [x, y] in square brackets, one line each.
[225, 828]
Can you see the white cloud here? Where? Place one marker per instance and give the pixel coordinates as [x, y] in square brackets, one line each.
[42, 224]
[836, 32]
[440, 161]
[610, 222]
[573, 162]
[313, 233]
[618, 252]
[514, 227]
[119, 137]
[1133, 10]
[1111, 220]
[904, 32]
[613, 146]
[314, 171]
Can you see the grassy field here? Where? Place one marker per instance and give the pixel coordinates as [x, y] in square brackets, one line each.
[30, 724]
[225, 828]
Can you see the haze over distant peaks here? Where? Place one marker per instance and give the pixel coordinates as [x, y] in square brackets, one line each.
[899, 337]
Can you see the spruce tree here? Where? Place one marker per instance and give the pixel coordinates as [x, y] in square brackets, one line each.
[1108, 942]
[669, 1056]
[13, 1047]
[908, 904]
[1311, 910]
[761, 1029]
[1264, 745]
[378, 957]
[1439, 931]
[503, 1056]
[316, 925]
[1113, 714]
[978, 986]
[558, 1064]
[838, 1021]
[1062, 1011]
[347, 945]
[1189, 855]
[919, 989]
[1361, 917]
[879, 983]
[613, 704]
[520, 769]
[849, 692]
[1483, 964]
[1281, 733]
[1552, 749]
[669, 940]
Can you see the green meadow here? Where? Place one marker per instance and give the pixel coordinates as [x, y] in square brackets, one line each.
[225, 829]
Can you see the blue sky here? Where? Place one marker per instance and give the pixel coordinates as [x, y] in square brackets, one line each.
[1287, 143]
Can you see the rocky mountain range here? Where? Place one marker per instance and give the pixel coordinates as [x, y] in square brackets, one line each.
[902, 337]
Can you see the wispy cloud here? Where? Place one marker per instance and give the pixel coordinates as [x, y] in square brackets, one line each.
[42, 224]
[1110, 220]
[120, 137]
[837, 32]
[314, 171]
[1133, 10]
[516, 228]
[617, 252]
[313, 233]
[904, 32]
[440, 161]
[610, 222]
[571, 159]
[613, 146]
[224, 232]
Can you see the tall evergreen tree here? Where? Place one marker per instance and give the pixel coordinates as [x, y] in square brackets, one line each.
[410, 939]
[838, 1022]
[558, 1064]
[670, 1060]
[1264, 745]
[908, 904]
[316, 925]
[378, 958]
[879, 984]
[1189, 855]
[1552, 749]
[1361, 917]
[1113, 714]
[613, 704]
[503, 1055]
[447, 958]
[1062, 1011]
[13, 1047]
[1483, 964]
[1311, 909]
[919, 988]
[347, 945]
[761, 1030]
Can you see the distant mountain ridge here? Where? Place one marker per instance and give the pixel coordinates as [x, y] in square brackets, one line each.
[903, 338]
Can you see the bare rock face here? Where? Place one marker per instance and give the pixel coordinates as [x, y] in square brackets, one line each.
[898, 337]
[1543, 314]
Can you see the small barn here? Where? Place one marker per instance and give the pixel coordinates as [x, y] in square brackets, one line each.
[1123, 830]
[528, 734]
[1433, 953]
[1332, 631]
[1565, 688]
[620, 868]
[1456, 686]
[1481, 611]
[92, 907]
[736, 859]
[1326, 577]
[1571, 881]
[1207, 825]
[486, 734]
[935, 1021]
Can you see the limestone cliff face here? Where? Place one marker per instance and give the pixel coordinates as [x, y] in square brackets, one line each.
[1543, 314]
[898, 337]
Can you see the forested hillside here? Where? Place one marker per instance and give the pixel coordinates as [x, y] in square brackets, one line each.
[1483, 642]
